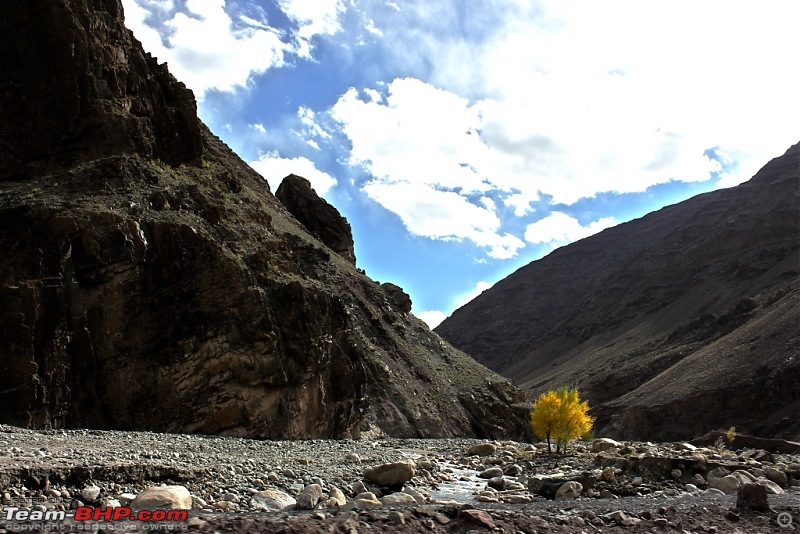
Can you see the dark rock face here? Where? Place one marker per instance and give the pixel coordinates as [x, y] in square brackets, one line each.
[320, 218]
[397, 297]
[75, 88]
[692, 308]
[150, 280]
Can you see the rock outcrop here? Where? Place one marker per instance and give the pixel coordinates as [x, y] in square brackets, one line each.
[695, 305]
[150, 280]
[320, 218]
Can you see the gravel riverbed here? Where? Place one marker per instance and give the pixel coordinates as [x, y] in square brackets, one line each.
[451, 490]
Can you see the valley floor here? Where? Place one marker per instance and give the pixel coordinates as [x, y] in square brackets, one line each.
[498, 486]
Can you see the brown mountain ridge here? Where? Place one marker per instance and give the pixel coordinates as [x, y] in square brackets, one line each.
[150, 280]
[683, 321]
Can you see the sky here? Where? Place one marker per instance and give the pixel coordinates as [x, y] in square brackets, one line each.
[465, 139]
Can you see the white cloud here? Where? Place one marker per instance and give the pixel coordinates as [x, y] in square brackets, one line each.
[432, 318]
[320, 17]
[574, 99]
[559, 229]
[445, 215]
[259, 127]
[204, 48]
[422, 147]
[274, 169]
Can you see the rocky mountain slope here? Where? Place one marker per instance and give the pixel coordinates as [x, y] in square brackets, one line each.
[150, 280]
[681, 322]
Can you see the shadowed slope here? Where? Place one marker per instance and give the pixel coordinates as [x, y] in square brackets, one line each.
[694, 306]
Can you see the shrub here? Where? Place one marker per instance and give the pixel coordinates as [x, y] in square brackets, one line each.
[561, 415]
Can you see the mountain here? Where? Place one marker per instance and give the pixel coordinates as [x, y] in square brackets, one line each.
[151, 280]
[680, 322]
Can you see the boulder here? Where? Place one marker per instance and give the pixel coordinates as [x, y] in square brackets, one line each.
[491, 472]
[273, 500]
[90, 493]
[753, 497]
[482, 449]
[336, 498]
[569, 490]
[392, 474]
[398, 499]
[309, 497]
[362, 501]
[771, 487]
[163, 498]
[604, 444]
[480, 518]
[777, 476]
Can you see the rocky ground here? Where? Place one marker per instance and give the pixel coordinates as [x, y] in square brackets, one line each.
[395, 485]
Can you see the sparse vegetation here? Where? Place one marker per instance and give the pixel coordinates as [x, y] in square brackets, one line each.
[729, 435]
[561, 415]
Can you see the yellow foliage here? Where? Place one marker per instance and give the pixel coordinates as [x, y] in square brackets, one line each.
[561, 415]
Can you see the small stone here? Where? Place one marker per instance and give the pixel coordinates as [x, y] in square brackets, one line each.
[479, 518]
[398, 499]
[777, 476]
[362, 501]
[660, 522]
[605, 444]
[727, 484]
[319, 515]
[393, 474]
[752, 497]
[482, 449]
[397, 518]
[569, 490]
[492, 472]
[771, 487]
[309, 497]
[512, 471]
[352, 457]
[691, 488]
[419, 497]
[90, 493]
[126, 498]
[273, 501]
[713, 492]
[676, 474]
[498, 483]
[336, 495]
[198, 503]
[441, 518]
[225, 506]
[698, 480]
[621, 518]
[163, 498]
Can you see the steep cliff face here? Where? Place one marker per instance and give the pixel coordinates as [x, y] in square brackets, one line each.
[75, 88]
[150, 280]
[693, 307]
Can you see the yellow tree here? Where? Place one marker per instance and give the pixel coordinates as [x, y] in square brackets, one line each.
[561, 415]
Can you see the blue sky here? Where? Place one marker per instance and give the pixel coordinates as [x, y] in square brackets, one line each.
[463, 140]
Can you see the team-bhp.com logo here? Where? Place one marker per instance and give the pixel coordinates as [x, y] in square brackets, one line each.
[119, 515]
